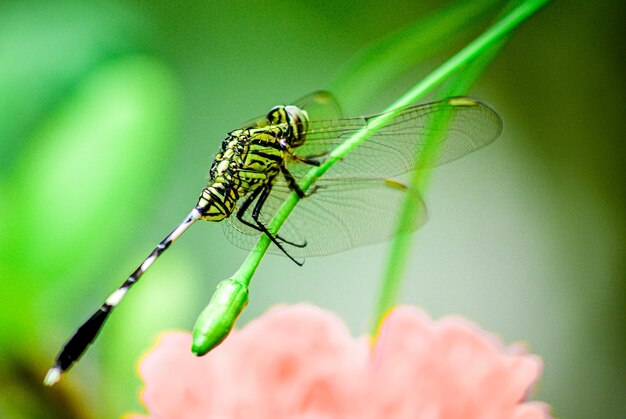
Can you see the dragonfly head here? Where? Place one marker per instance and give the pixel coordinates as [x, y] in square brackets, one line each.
[294, 120]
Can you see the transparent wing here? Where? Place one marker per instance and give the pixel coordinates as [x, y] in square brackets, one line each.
[341, 214]
[461, 125]
[356, 203]
[320, 105]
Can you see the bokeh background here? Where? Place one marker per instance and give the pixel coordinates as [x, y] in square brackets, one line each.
[110, 113]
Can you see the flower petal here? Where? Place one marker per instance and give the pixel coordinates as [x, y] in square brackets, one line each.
[301, 362]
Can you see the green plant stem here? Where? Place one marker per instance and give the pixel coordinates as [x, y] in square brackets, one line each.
[401, 243]
[477, 47]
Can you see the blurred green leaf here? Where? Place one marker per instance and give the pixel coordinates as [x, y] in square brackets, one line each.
[47, 48]
[88, 162]
[83, 175]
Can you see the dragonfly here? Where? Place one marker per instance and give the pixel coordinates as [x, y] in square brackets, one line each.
[260, 164]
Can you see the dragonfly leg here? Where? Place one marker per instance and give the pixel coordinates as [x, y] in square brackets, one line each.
[310, 160]
[258, 226]
[265, 192]
[293, 185]
[291, 182]
[306, 160]
[314, 156]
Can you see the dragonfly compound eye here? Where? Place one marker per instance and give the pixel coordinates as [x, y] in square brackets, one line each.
[298, 120]
[277, 115]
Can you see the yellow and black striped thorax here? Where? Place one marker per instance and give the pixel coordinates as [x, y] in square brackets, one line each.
[251, 157]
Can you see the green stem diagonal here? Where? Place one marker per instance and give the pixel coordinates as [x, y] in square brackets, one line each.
[400, 246]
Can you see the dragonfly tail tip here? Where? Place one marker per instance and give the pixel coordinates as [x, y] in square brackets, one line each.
[53, 376]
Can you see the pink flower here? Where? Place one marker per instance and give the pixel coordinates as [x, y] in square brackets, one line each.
[301, 362]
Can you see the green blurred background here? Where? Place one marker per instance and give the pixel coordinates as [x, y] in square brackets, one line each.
[110, 113]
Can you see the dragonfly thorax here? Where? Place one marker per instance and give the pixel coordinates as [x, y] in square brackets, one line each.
[293, 120]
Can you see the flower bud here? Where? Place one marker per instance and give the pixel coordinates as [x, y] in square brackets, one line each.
[219, 316]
